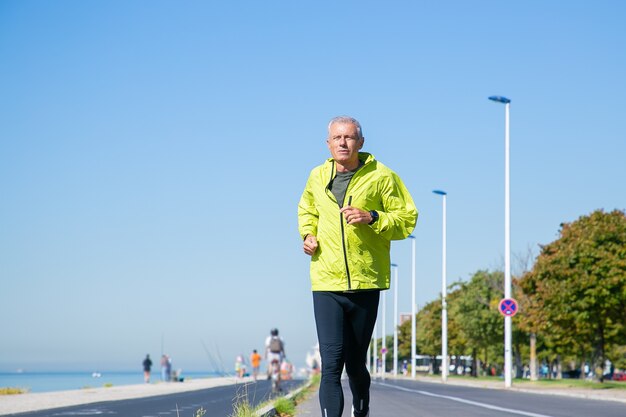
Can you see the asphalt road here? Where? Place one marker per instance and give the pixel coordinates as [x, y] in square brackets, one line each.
[218, 402]
[408, 398]
[414, 398]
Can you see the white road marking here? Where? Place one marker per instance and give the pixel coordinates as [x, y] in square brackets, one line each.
[464, 401]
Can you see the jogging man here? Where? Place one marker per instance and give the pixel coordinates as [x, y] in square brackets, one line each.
[350, 210]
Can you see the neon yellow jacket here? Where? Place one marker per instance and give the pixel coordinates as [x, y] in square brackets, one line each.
[355, 257]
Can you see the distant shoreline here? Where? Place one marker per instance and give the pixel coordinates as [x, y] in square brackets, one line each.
[39, 381]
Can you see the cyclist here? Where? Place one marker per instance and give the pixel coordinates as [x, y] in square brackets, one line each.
[274, 350]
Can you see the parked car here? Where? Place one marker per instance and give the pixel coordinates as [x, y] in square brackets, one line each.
[619, 376]
[574, 374]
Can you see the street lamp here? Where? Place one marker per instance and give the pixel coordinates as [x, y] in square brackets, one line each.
[444, 292]
[507, 239]
[395, 319]
[413, 343]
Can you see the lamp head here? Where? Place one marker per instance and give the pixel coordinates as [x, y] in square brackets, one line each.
[500, 99]
[440, 192]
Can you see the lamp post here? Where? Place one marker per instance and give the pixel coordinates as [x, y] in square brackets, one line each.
[444, 293]
[383, 344]
[507, 239]
[413, 343]
[375, 350]
[395, 319]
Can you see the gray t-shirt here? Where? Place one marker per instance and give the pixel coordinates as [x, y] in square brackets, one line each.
[339, 184]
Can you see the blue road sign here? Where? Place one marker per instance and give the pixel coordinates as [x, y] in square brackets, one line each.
[508, 307]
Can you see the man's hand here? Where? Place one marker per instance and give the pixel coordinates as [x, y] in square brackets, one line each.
[355, 215]
[310, 245]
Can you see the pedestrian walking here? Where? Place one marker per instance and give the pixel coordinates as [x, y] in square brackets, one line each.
[147, 366]
[255, 361]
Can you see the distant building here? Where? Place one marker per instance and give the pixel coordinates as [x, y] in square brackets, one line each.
[404, 317]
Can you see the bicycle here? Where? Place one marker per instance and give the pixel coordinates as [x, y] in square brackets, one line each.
[275, 376]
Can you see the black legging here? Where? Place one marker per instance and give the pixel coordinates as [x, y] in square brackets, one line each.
[345, 322]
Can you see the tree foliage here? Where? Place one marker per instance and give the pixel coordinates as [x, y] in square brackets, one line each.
[428, 333]
[573, 300]
[404, 341]
[576, 293]
[474, 314]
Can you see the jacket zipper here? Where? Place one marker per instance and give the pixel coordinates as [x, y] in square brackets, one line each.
[343, 242]
[343, 237]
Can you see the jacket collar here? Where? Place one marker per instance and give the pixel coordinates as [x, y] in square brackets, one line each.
[366, 157]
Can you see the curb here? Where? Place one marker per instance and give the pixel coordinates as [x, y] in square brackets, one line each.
[270, 411]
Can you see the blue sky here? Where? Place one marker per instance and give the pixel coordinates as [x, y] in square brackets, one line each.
[152, 154]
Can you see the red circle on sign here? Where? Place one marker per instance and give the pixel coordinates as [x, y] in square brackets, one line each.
[508, 307]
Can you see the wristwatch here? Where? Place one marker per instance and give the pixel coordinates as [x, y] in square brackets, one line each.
[374, 215]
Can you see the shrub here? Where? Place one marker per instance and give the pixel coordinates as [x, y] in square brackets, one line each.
[12, 391]
[285, 407]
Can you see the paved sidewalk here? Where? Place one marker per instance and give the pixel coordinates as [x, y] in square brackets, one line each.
[310, 407]
[380, 405]
[10, 404]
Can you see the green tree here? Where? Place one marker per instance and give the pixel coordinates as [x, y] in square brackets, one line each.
[476, 316]
[576, 292]
[404, 341]
[428, 334]
[457, 338]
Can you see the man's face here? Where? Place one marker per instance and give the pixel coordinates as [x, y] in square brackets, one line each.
[344, 143]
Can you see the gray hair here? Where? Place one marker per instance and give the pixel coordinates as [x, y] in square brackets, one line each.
[348, 120]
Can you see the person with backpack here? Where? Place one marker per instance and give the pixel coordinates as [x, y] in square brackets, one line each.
[274, 350]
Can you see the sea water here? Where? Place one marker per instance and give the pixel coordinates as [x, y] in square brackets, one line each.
[62, 381]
